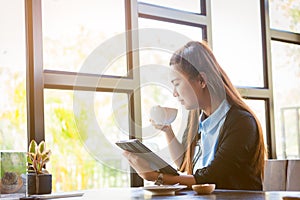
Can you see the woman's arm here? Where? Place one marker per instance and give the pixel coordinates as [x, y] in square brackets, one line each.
[187, 180]
[175, 147]
[143, 169]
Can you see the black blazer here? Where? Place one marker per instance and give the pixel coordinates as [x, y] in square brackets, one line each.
[237, 143]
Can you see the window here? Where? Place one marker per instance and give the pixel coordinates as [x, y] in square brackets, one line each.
[82, 139]
[84, 121]
[13, 127]
[70, 35]
[286, 78]
[285, 54]
[284, 15]
[237, 41]
[73, 61]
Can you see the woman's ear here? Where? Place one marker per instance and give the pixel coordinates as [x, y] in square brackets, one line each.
[202, 79]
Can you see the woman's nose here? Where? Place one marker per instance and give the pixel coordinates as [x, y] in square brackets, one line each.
[175, 93]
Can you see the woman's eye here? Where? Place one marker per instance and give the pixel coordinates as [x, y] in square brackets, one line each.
[176, 82]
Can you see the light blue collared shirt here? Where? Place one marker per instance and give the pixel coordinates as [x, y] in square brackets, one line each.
[209, 129]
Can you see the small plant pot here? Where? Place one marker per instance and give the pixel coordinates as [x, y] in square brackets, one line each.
[39, 184]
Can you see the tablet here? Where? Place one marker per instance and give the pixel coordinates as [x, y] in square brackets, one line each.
[156, 162]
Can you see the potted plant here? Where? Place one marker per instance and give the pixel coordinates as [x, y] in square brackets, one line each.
[39, 180]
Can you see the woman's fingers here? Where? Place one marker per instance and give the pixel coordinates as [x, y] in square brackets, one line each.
[130, 157]
[133, 159]
[157, 126]
[138, 163]
[162, 127]
[141, 166]
[126, 153]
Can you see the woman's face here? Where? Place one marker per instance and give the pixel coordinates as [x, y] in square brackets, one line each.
[186, 90]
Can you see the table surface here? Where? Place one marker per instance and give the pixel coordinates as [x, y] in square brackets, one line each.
[139, 194]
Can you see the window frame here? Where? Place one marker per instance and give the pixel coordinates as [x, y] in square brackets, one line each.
[34, 71]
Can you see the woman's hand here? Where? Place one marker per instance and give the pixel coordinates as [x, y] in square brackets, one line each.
[141, 166]
[164, 128]
[143, 169]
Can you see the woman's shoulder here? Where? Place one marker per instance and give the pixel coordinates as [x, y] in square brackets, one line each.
[236, 111]
[236, 114]
[240, 119]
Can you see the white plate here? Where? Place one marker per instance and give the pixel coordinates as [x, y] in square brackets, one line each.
[164, 189]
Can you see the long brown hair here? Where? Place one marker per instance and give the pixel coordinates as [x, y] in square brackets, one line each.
[196, 57]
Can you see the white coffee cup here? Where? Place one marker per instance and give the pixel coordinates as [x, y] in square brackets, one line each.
[163, 115]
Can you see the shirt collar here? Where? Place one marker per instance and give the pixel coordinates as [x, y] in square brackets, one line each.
[205, 125]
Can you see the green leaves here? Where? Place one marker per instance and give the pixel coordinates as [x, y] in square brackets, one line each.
[37, 157]
[42, 147]
[32, 147]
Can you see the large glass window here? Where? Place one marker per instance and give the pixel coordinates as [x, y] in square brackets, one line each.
[286, 81]
[13, 123]
[237, 40]
[284, 15]
[71, 35]
[81, 129]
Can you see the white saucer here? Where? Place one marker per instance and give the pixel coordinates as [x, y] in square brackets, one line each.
[164, 189]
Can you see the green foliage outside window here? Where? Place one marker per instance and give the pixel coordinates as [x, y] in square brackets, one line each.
[72, 166]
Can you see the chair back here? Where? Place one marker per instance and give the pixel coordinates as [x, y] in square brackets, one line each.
[275, 175]
[293, 175]
[282, 175]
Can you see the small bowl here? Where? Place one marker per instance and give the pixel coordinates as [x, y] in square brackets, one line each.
[290, 198]
[204, 188]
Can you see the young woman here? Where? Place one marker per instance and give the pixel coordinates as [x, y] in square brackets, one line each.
[223, 142]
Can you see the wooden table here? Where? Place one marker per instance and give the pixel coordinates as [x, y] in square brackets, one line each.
[140, 194]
